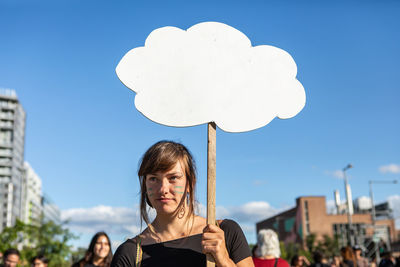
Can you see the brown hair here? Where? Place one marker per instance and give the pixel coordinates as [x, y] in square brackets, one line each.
[162, 157]
[348, 255]
[89, 255]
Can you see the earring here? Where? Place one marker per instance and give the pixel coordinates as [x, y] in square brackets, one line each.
[181, 212]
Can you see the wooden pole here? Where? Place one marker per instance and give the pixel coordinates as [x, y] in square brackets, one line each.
[211, 174]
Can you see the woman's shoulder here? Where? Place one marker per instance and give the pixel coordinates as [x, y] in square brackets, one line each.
[125, 253]
[229, 225]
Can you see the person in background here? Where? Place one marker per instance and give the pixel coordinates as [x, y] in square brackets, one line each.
[361, 261]
[387, 260]
[319, 260]
[268, 251]
[336, 261]
[349, 259]
[98, 254]
[10, 258]
[397, 264]
[253, 251]
[39, 261]
[299, 261]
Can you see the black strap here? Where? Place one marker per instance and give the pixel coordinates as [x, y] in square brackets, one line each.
[276, 262]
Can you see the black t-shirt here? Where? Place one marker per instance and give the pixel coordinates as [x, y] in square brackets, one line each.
[77, 264]
[182, 252]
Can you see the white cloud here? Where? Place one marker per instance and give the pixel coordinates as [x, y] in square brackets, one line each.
[253, 211]
[330, 206]
[248, 212]
[259, 182]
[337, 174]
[125, 222]
[113, 220]
[394, 202]
[390, 168]
[210, 72]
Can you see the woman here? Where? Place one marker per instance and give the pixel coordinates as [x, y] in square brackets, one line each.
[39, 261]
[268, 251]
[349, 259]
[336, 261]
[299, 261]
[99, 252]
[177, 237]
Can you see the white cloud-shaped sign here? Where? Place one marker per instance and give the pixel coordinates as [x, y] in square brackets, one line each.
[210, 72]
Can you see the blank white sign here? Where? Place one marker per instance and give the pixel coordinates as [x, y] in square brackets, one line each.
[210, 72]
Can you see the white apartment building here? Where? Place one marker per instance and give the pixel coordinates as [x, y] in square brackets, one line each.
[51, 212]
[12, 139]
[32, 206]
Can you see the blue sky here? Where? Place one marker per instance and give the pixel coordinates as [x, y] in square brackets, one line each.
[84, 136]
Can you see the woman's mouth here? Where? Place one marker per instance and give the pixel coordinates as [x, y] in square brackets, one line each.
[164, 200]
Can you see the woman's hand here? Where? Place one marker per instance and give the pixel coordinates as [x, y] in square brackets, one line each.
[213, 243]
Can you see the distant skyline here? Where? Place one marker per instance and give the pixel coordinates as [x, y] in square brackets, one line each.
[84, 137]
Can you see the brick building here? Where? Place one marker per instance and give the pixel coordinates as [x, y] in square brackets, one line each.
[310, 216]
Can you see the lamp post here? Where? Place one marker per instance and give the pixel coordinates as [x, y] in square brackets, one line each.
[349, 205]
[371, 195]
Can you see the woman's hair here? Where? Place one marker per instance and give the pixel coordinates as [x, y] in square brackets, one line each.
[89, 255]
[40, 257]
[162, 157]
[268, 244]
[318, 256]
[294, 260]
[348, 254]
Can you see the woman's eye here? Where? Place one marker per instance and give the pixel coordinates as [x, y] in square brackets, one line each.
[152, 179]
[173, 178]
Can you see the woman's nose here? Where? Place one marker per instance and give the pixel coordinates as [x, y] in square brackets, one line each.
[164, 186]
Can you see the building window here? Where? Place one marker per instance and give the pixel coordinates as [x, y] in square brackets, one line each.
[307, 217]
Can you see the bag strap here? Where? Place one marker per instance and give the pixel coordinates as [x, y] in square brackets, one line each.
[276, 262]
[139, 251]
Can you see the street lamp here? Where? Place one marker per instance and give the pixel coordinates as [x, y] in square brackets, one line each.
[371, 195]
[349, 205]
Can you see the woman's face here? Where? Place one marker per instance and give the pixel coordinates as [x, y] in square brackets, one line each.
[299, 262]
[39, 263]
[102, 247]
[165, 190]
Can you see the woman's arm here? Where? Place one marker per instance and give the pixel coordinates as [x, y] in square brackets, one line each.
[214, 243]
[247, 262]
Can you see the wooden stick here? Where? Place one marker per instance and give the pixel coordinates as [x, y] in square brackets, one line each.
[211, 174]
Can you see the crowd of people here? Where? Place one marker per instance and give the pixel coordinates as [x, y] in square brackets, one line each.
[178, 237]
[11, 259]
[98, 254]
[267, 254]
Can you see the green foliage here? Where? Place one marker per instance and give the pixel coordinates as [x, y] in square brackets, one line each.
[291, 249]
[327, 245]
[310, 242]
[46, 238]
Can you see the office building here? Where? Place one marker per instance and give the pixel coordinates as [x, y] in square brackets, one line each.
[32, 190]
[12, 138]
[51, 212]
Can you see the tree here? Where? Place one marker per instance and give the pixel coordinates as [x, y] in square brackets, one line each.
[328, 246]
[46, 238]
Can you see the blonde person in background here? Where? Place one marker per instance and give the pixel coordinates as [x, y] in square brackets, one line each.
[268, 251]
[177, 237]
